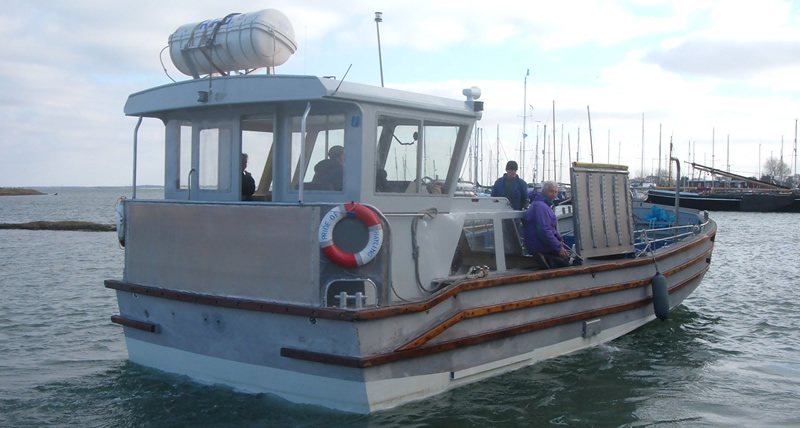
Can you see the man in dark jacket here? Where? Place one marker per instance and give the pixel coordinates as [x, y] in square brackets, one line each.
[512, 187]
[248, 183]
[541, 227]
[329, 173]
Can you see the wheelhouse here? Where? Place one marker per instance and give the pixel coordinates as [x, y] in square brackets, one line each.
[390, 150]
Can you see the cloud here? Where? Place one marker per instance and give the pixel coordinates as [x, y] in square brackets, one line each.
[726, 59]
[732, 40]
[691, 66]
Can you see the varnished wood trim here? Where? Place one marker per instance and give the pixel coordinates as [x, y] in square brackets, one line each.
[230, 302]
[538, 301]
[395, 310]
[128, 322]
[390, 357]
[512, 306]
[517, 278]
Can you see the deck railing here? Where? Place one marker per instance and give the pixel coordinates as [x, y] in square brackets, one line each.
[654, 238]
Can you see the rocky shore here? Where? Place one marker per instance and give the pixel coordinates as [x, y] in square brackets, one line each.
[18, 191]
[61, 225]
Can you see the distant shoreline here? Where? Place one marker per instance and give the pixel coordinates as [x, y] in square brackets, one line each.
[54, 190]
[19, 191]
[61, 225]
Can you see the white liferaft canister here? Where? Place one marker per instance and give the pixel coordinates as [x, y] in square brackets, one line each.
[242, 42]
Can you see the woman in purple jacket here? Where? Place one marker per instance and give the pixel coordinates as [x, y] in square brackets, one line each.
[541, 227]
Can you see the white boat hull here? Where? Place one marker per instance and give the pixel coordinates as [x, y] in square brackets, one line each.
[350, 396]
[244, 363]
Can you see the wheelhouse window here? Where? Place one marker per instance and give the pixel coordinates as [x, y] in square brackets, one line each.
[437, 151]
[325, 136]
[184, 155]
[258, 136]
[209, 158]
[415, 156]
[202, 161]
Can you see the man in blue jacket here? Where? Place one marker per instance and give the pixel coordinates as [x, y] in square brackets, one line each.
[512, 187]
[541, 227]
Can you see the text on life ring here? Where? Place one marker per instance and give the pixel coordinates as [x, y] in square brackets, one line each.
[336, 255]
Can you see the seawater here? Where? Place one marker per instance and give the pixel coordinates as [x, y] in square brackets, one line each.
[728, 357]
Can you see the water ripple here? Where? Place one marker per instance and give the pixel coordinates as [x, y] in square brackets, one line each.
[728, 357]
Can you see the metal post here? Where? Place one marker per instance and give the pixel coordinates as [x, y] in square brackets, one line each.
[378, 20]
[591, 144]
[303, 152]
[536, 155]
[135, 152]
[643, 175]
[677, 192]
[554, 141]
[524, 117]
[795, 153]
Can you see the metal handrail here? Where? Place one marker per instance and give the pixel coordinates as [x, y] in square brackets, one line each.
[645, 237]
[302, 166]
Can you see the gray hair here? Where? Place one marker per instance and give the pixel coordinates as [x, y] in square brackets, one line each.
[549, 183]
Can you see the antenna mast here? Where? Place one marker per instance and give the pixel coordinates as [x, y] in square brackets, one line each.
[554, 142]
[524, 117]
[795, 152]
[378, 20]
[497, 151]
[591, 144]
[643, 173]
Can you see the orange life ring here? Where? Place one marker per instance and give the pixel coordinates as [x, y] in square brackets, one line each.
[341, 258]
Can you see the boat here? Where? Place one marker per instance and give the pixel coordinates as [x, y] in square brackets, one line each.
[718, 202]
[731, 200]
[748, 194]
[377, 293]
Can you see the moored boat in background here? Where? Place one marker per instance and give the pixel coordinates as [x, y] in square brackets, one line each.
[735, 200]
[748, 195]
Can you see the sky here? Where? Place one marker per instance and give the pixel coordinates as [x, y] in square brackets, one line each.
[719, 79]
